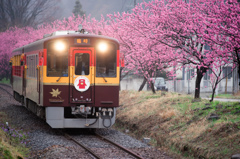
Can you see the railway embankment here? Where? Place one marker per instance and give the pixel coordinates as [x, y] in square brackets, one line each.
[180, 125]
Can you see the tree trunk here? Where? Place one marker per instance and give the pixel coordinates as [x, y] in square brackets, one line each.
[238, 61]
[143, 84]
[120, 78]
[5, 75]
[239, 73]
[213, 93]
[214, 88]
[152, 88]
[200, 73]
[226, 84]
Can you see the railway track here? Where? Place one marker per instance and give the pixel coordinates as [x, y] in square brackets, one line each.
[83, 146]
[4, 89]
[119, 146]
[103, 139]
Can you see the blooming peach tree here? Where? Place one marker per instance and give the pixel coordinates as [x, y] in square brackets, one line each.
[156, 35]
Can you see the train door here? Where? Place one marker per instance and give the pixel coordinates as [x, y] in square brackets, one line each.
[81, 75]
[38, 77]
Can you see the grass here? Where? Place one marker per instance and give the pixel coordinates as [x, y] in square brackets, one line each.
[181, 124]
[5, 81]
[12, 141]
[12, 144]
[227, 96]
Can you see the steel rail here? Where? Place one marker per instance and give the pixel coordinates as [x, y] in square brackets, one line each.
[5, 89]
[119, 146]
[7, 85]
[83, 146]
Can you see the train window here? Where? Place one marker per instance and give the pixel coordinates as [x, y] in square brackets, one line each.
[33, 66]
[27, 65]
[82, 64]
[57, 59]
[32, 61]
[36, 64]
[106, 62]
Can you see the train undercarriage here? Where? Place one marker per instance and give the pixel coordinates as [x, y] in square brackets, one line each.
[71, 117]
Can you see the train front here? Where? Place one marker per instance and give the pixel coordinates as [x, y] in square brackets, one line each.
[80, 85]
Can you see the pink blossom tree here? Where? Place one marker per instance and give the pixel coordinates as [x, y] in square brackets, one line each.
[17, 37]
[156, 35]
[223, 23]
[181, 26]
[143, 56]
[180, 31]
[217, 75]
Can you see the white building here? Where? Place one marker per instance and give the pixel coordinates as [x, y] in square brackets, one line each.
[185, 82]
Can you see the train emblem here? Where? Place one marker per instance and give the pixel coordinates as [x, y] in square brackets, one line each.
[55, 93]
[82, 83]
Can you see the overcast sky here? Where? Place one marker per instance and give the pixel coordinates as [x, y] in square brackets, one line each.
[98, 7]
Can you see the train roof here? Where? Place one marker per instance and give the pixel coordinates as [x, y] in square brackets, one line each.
[38, 44]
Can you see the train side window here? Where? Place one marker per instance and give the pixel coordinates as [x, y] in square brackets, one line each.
[82, 64]
[30, 68]
[27, 66]
[36, 64]
[33, 66]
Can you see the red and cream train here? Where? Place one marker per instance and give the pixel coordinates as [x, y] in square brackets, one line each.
[69, 78]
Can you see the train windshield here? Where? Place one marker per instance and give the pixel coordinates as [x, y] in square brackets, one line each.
[106, 62]
[57, 59]
[82, 64]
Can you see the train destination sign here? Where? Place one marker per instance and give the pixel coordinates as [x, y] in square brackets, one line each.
[82, 41]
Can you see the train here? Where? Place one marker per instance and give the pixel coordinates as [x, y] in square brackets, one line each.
[69, 78]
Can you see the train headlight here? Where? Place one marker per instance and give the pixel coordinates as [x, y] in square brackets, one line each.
[102, 47]
[60, 46]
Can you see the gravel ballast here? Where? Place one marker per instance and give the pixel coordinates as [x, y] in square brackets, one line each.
[45, 142]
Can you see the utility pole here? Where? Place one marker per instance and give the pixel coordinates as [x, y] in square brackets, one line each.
[135, 3]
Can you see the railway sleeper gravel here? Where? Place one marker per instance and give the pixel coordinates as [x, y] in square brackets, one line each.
[45, 142]
[113, 150]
